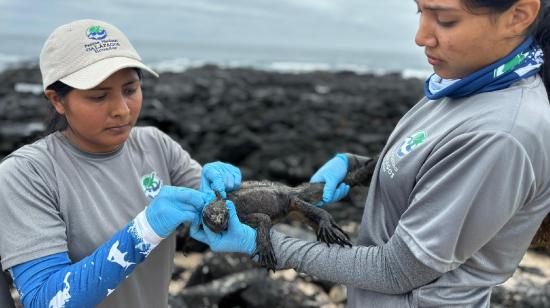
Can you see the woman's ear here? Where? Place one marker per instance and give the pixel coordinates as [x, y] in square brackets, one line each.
[56, 101]
[522, 15]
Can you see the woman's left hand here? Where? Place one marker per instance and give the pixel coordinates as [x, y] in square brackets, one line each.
[220, 177]
[332, 173]
[174, 206]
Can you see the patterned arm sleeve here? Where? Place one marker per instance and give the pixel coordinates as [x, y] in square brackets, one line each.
[54, 281]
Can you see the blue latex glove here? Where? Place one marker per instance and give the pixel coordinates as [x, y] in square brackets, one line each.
[220, 177]
[174, 206]
[237, 238]
[332, 173]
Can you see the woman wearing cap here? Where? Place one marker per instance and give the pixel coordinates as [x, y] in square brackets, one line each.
[463, 182]
[88, 211]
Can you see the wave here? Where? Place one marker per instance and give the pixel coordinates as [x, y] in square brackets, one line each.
[12, 61]
[178, 65]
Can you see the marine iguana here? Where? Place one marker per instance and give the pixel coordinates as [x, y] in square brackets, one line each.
[261, 203]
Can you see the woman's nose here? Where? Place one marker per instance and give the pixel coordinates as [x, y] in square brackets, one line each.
[119, 106]
[425, 36]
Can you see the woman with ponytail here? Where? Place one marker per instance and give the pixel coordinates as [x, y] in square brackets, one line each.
[463, 183]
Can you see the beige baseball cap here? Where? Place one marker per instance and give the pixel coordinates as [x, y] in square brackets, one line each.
[84, 53]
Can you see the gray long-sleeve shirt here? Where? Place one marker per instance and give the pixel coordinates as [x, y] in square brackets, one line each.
[58, 198]
[462, 185]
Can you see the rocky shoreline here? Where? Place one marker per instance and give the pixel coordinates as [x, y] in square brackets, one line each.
[275, 126]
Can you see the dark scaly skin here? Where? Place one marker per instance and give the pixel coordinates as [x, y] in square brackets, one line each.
[542, 237]
[259, 204]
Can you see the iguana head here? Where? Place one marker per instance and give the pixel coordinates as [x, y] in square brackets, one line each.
[215, 215]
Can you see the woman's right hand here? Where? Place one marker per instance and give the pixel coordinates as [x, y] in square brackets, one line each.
[238, 237]
[332, 173]
[174, 206]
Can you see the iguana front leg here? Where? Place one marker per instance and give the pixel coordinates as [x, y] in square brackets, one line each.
[327, 229]
[264, 250]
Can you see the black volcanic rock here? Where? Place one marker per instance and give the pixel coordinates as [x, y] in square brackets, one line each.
[274, 126]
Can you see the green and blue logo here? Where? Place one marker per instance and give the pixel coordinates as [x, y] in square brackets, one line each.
[411, 143]
[151, 185]
[510, 65]
[96, 33]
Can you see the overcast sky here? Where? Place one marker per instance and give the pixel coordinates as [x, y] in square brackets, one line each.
[344, 23]
[353, 25]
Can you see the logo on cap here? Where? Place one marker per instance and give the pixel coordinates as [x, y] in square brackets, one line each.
[96, 33]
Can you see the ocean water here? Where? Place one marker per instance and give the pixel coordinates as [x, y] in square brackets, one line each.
[284, 35]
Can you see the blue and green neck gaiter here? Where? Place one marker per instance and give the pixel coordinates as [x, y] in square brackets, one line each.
[523, 62]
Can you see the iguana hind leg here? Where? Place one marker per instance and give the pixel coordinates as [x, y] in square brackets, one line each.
[326, 227]
[264, 249]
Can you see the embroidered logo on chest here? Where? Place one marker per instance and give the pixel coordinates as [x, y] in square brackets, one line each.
[390, 163]
[151, 185]
[411, 143]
